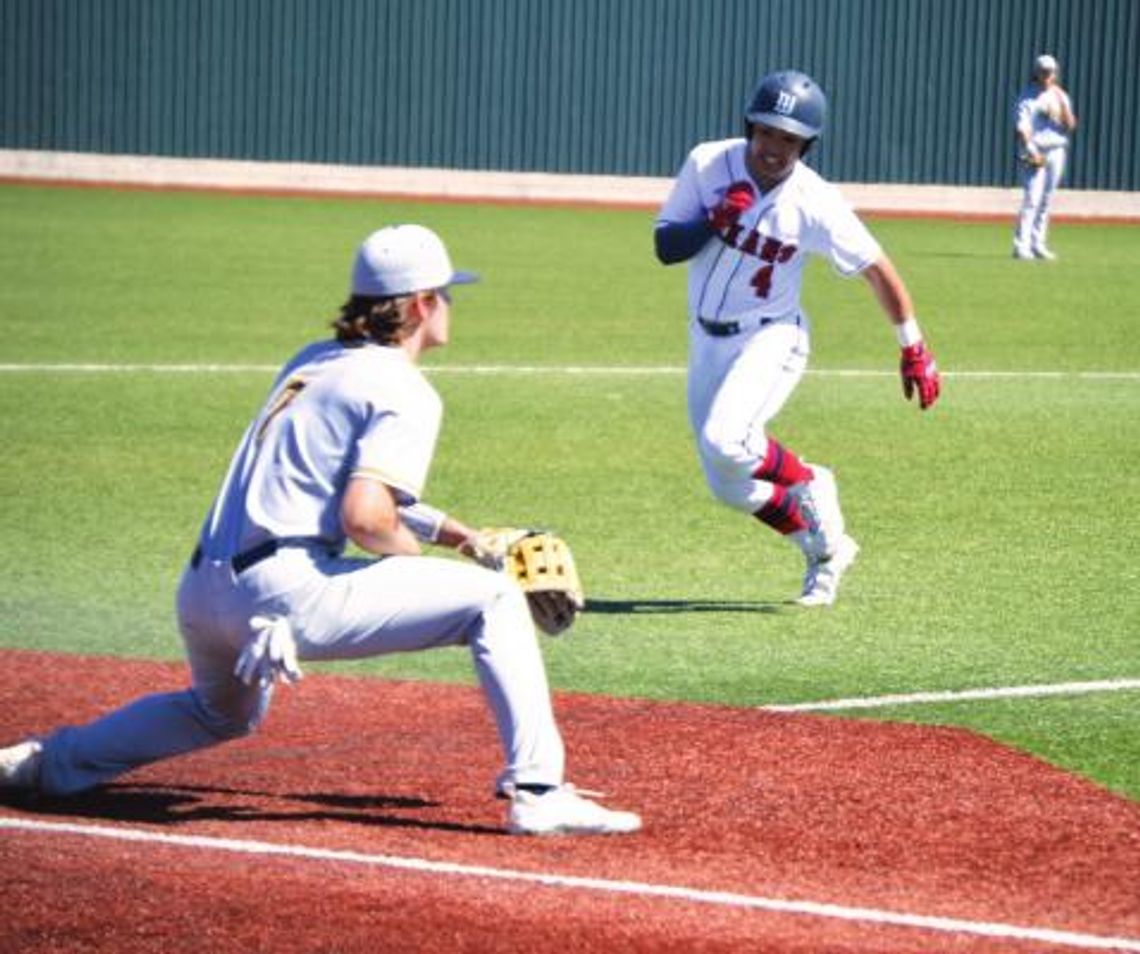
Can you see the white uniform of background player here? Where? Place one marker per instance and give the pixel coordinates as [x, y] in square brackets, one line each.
[1043, 119]
[339, 452]
[746, 214]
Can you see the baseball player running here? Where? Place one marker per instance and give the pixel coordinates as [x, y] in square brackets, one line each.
[745, 214]
[339, 452]
[1043, 119]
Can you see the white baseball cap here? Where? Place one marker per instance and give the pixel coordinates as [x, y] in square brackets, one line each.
[400, 259]
[1045, 64]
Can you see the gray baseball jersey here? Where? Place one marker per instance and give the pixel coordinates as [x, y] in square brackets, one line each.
[334, 412]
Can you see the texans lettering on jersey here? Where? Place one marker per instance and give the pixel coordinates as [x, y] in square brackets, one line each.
[756, 266]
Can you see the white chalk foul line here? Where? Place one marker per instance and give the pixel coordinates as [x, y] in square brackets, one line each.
[522, 369]
[79, 368]
[634, 370]
[962, 695]
[643, 889]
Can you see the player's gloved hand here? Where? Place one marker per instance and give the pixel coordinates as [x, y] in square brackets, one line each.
[488, 547]
[920, 375]
[544, 569]
[738, 198]
[270, 653]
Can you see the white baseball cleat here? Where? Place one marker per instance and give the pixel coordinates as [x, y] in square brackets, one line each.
[1023, 254]
[1042, 252]
[819, 503]
[821, 581]
[825, 493]
[564, 811]
[20, 765]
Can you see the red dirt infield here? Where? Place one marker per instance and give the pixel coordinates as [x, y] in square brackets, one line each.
[763, 832]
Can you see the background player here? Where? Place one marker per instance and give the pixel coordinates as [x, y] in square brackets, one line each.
[1043, 119]
[745, 214]
[340, 451]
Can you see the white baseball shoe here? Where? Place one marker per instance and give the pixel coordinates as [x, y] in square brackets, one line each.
[564, 811]
[1041, 251]
[819, 503]
[821, 581]
[20, 765]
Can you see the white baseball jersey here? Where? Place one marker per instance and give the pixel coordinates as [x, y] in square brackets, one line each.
[288, 476]
[1037, 114]
[757, 268]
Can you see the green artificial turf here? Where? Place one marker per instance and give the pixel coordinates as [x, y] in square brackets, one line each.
[998, 530]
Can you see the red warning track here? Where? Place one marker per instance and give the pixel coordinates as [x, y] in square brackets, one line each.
[761, 818]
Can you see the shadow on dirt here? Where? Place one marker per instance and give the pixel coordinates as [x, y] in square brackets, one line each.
[180, 804]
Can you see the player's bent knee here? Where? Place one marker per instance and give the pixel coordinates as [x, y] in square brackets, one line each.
[736, 493]
[726, 452]
[715, 449]
[232, 719]
[507, 612]
[228, 728]
[511, 601]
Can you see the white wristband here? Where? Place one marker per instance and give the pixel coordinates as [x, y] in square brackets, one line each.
[908, 333]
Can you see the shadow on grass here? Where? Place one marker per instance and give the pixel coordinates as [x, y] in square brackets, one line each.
[179, 804]
[624, 607]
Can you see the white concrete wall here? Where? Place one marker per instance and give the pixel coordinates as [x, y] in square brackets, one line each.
[163, 172]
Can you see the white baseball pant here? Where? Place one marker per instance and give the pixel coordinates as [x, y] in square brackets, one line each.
[736, 385]
[1038, 186]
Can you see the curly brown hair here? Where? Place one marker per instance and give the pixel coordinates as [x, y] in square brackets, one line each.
[368, 318]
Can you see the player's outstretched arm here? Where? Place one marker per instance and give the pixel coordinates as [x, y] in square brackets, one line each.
[889, 289]
[917, 367]
[487, 546]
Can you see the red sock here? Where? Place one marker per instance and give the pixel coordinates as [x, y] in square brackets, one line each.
[782, 513]
[781, 466]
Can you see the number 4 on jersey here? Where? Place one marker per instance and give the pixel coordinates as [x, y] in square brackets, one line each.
[762, 281]
[773, 252]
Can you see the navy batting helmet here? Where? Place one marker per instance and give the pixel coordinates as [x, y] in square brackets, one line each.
[791, 101]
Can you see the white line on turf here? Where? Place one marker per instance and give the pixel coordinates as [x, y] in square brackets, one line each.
[137, 368]
[962, 695]
[522, 369]
[901, 919]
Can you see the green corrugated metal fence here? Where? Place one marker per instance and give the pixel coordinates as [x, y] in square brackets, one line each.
[920, 90]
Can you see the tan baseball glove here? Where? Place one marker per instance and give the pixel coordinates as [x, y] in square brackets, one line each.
[542, 565]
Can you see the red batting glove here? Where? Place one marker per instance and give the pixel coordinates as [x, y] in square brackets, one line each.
[738, 199]
[920, 373]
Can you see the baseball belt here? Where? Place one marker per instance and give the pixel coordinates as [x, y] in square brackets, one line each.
[720, 329]
[726, 329]
[255, 554]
